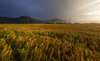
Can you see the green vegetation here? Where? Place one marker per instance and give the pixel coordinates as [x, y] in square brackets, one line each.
[49, 42]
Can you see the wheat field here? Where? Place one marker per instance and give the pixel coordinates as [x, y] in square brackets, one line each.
[49, 42]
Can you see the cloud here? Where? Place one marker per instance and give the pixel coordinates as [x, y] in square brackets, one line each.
[33, 8]
[93, 13]
[89, 5]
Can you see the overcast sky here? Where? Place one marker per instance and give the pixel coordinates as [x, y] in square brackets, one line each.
[76, 10]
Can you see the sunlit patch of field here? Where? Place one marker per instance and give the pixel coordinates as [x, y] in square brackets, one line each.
[55, 27]
[49, 42]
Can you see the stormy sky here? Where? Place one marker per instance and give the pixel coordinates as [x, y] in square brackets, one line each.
[76, 10]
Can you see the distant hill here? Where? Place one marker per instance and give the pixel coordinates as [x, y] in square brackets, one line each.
[26, 19]
[22, 19]
[56, 21]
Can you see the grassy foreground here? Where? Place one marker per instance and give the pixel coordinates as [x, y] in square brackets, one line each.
[49, 42]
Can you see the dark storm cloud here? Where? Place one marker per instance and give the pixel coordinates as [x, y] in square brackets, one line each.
[14, 8]
[35, 8]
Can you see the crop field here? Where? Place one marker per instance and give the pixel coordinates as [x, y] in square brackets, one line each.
[49, 42]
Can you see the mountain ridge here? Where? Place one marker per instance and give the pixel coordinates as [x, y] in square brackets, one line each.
[29, 20]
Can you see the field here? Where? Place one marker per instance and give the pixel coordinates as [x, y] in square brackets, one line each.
[49, 42]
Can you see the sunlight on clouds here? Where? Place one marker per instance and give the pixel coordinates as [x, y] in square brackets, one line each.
[93, 13]
[88, 5]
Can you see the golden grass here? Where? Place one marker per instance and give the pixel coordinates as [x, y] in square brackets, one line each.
[49, 42]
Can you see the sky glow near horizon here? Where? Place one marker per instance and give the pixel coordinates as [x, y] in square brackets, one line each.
[85, 11]
[76, 10]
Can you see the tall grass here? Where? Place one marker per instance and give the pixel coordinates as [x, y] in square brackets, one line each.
[24, 43]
